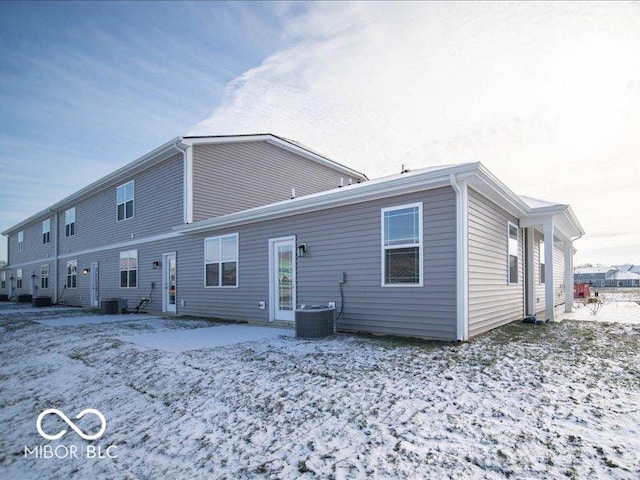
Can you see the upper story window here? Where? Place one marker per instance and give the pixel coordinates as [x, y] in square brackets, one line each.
[70, 222]
[125, 195]
[513, 252]
[46, 230]
[541, 255]
[129, 269]
[3, 279]
[19, 278]
[72, 273]
[402, 245]
[21, 241]
[221, 261]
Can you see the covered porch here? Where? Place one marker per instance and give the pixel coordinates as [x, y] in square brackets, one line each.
[549, 229]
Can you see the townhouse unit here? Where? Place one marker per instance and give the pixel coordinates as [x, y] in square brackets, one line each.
[615, 276]
[252, 227]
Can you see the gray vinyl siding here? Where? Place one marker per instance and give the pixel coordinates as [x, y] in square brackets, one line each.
[539, 291]
[158, 206]
[492, 300]
[233, 177]
[346, 239]
[34, 249]
[109, 274]
[559, 290]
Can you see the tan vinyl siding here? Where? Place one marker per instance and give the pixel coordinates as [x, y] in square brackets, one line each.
[233, 177]
[492, 300]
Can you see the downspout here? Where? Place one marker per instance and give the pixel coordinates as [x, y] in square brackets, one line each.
[462, 258]
[187, 156]
[55, 254]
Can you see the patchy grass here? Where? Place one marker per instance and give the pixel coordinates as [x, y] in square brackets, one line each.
[549, 401]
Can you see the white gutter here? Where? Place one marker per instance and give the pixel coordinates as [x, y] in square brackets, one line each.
[55, 256]
[187, 174]
[462, 258]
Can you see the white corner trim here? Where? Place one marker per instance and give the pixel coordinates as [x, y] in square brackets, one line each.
[462, 258]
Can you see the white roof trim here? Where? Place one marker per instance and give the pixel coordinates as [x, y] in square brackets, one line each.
[394, 185]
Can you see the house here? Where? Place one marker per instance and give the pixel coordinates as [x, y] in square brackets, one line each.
[595, 276]
[615, 276]
[251, 227]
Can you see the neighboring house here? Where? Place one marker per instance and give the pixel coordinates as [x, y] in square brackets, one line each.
[595, 276]
[444, 252]
[615, 276]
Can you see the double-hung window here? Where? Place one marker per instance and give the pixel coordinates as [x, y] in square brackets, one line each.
[513, 252]
[129, 269]
[402, 245]
[70, 222]
[221, 261]
[542, 266]
[44, 276]
[21, 241]
[72, 273]
[19, 278]
[125, 194]
[46, 231]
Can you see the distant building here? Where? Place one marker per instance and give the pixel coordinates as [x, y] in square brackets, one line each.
[615, 276]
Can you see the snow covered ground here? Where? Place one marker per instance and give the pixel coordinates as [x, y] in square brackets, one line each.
[548, 401]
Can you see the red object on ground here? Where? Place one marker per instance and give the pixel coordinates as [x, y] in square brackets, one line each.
[581, 290]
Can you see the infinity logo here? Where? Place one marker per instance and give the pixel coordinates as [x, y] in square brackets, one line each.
[58, 435]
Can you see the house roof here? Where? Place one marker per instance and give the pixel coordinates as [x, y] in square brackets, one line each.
[174, 147]
[592, 270]
[475, 174]
[625, 276]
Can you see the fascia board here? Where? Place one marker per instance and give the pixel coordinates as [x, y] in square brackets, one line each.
[498, 192]
[145, 161]
[372, 190]
[278, 142]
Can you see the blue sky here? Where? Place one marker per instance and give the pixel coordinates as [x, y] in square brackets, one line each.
[547, 95]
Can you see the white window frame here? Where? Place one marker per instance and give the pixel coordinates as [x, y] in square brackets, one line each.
[46, 231]
[21, 241]
[44, 276]
[18, 278]
[72, 274]
[128, 254]
[221, 260]
[542, 265]
[125, 200]
[70, 222]
[509, 253]
[420, 245]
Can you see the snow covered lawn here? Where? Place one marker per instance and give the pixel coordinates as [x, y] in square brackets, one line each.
[550, 401]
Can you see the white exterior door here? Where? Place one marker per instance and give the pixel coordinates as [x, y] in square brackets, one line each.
[94, 290]
[169, 282]
[282, 278]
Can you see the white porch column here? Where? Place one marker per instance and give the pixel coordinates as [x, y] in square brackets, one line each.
[530, 279]
[548, 273]
[568, 276]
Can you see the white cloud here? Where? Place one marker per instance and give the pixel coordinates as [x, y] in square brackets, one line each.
[546, 95]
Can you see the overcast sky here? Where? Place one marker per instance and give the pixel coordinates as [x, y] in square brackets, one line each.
[546, 95]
